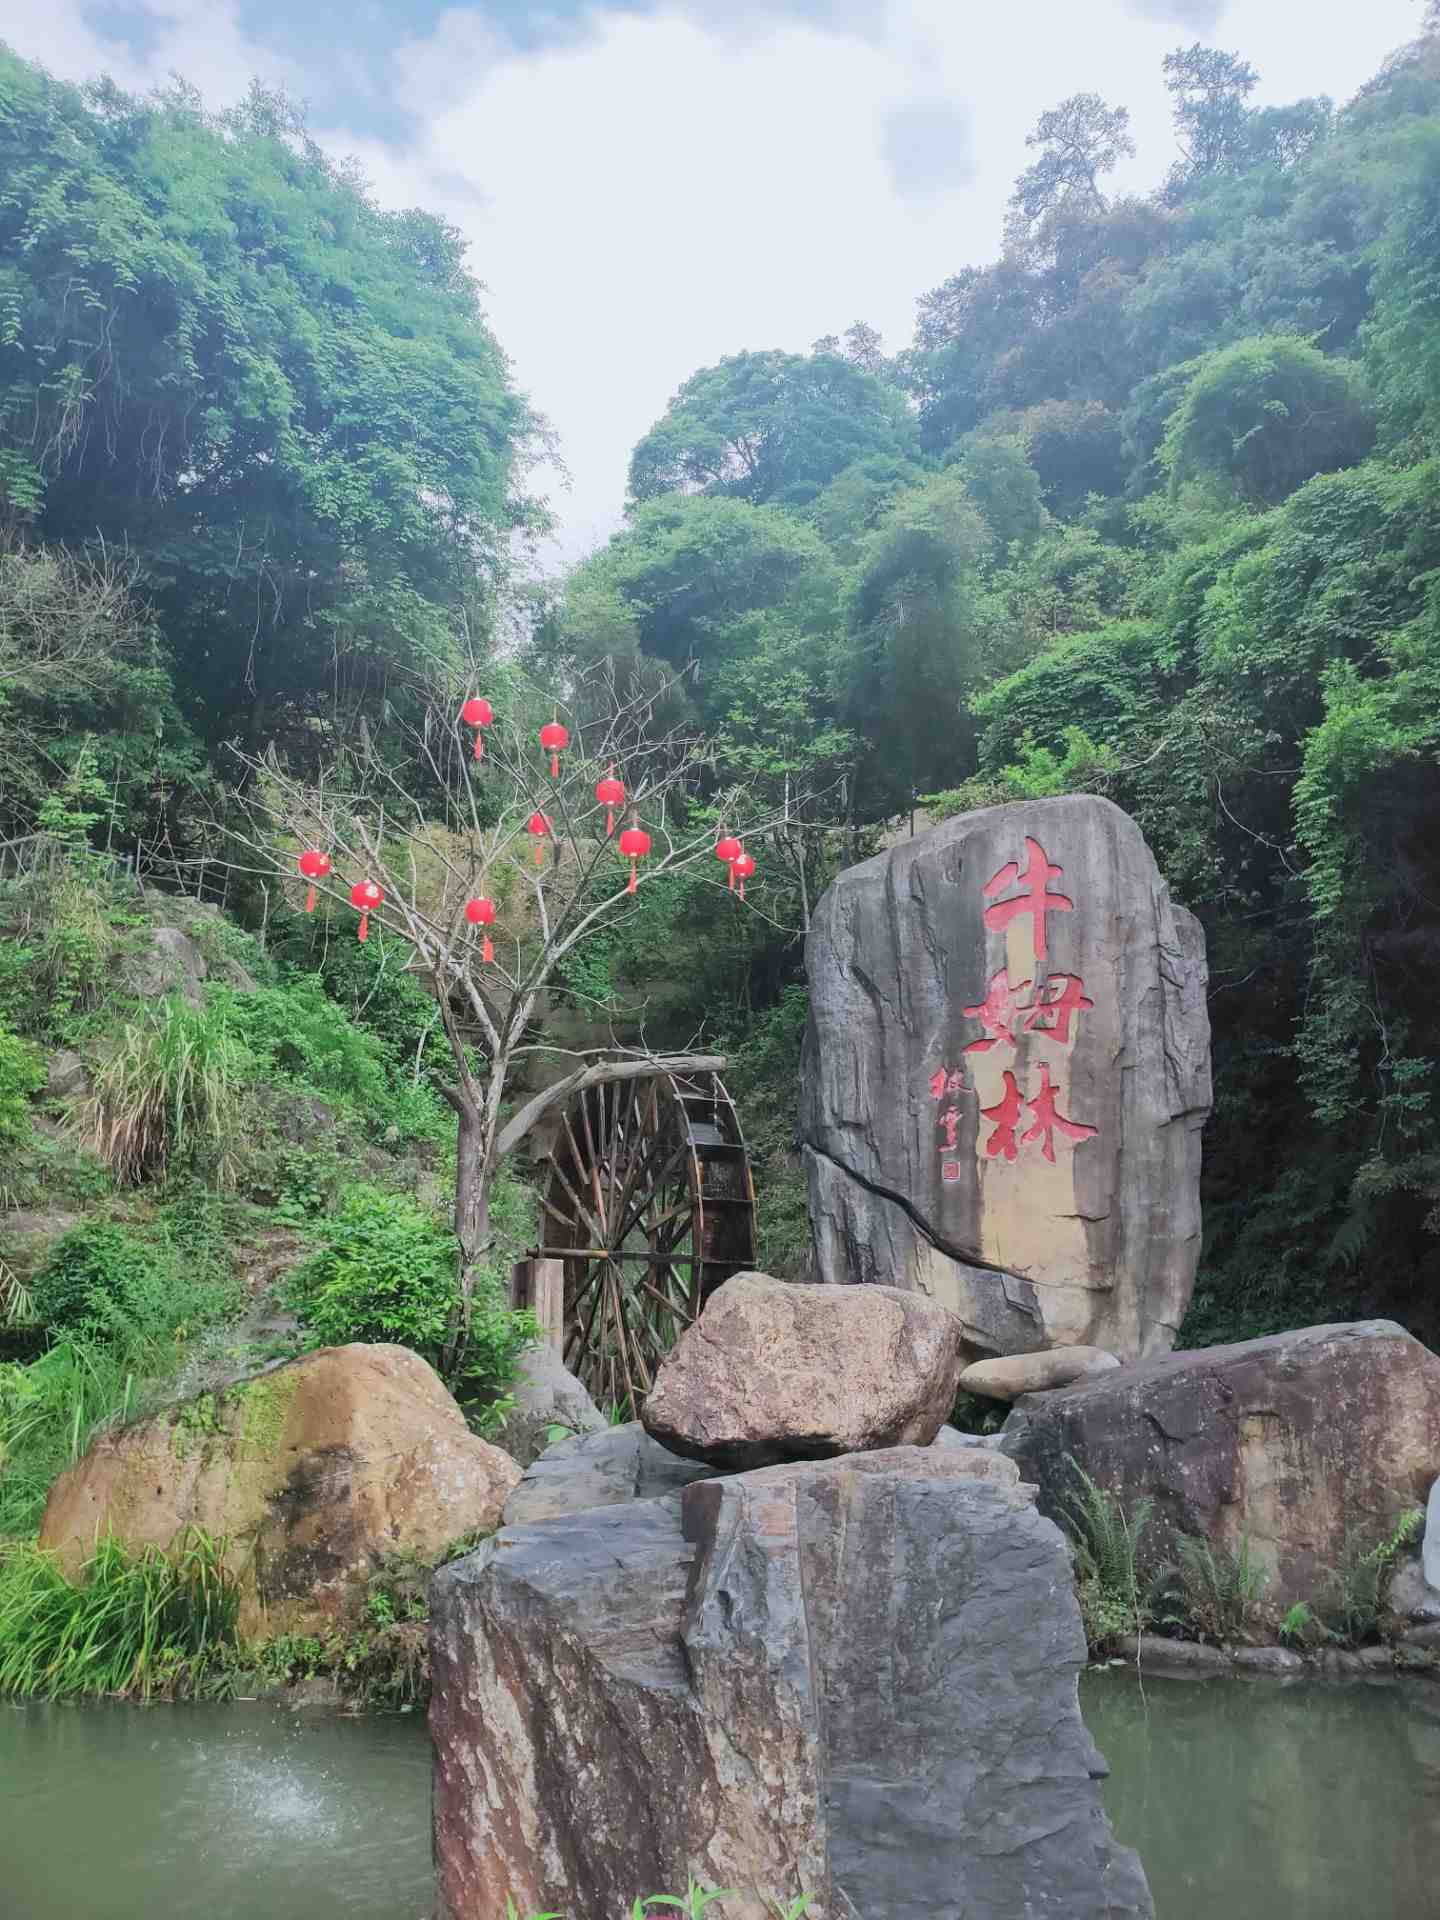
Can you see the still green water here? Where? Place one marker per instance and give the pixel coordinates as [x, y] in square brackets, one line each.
[220, 1813]
[1248, 1801]
[1252, 1800]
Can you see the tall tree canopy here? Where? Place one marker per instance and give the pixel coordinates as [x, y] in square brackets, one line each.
[217, 352]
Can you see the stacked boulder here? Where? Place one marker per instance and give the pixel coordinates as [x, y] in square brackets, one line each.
[777, 1640]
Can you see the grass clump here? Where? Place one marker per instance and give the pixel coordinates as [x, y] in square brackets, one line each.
[141, 1624]
[1213, 1594]
[1354, 1596]
[1106, 1541]
[168, 1095]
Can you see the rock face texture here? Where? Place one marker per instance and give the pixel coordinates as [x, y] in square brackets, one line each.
[775, 1372]
[599, 1470]
[546, 1395]
[1005, 1076]
[853, 1679]
[1307, 1443]
[312, 1472]
[1016, 1373]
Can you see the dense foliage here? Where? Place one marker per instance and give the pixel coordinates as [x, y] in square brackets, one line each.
[1166, 530]
[1147, 508]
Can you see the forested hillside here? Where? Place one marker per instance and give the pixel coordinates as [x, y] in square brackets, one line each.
[1148, 508]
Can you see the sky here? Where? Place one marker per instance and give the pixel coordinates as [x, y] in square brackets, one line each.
[647, 185]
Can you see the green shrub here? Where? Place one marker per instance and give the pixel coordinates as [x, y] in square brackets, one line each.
[91, 1270]
[1106, 1543]
[21, 1074]
[170, 1095]
[137, 1624]
[389, 1271]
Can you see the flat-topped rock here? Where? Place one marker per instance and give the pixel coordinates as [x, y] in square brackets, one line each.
[1005, 1075]
[774, 1372]
[1016, 1373]
[601, 1469]
[851, 1679]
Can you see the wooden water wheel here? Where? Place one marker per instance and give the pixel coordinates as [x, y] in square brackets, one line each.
[650, 1204]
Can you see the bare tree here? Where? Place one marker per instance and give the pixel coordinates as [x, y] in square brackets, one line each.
[536, 846]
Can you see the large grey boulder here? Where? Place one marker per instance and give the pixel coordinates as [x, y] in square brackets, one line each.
[1001, 1101]
[1430, 1546]
[602, 1469]
[546, 1395]
[1306, 1446]
[772, 1371]
[28, 1237]
[66, 1076]
[169, 961]
[853, 1679]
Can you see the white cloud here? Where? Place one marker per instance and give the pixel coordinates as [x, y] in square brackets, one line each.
[655, 195]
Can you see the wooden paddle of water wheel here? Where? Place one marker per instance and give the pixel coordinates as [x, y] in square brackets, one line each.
[650, 1204]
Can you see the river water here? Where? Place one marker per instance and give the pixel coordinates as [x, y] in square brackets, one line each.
[1248, 1801]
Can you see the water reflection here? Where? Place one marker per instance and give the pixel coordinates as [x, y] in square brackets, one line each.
[1258, 1801]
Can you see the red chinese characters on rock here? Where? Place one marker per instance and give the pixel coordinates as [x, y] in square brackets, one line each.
[1049, 1120]
[1048, 1006]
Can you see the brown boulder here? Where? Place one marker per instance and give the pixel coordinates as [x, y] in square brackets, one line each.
[1308, 1444]
[774, 1372]
[1016, 1373]
[311, 1473]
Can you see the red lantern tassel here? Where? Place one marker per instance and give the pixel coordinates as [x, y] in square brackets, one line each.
[730, 869]
[487, 952]
[742, 886]
[609, 823]
[479, 744]
[631, 887]
[364, 926]
[554, 766]
[539, 851]
[310, 900]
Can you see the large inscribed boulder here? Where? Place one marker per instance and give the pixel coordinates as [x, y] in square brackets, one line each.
[1306, 1447]
[310, 1473]
[1005, 1076]
[774, 1372]
[852, 1679]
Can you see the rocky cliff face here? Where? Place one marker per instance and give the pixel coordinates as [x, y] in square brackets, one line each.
[853, 1679]
[1005, 1076]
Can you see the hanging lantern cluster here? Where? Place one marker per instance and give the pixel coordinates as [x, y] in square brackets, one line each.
[481, 913]
[314, 866]
[740, 863]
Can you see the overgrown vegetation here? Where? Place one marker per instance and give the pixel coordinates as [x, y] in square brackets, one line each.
[1107, 1542]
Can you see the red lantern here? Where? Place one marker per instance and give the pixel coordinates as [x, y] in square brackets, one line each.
[742, 868]
[479, 714]
[539, 824]
[729, 849]
[610, 793]
[365, 896]
[481, 913]
[314, 865]
[554, 738]
[634, 845]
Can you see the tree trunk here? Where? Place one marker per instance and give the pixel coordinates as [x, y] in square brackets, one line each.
[472, 1218]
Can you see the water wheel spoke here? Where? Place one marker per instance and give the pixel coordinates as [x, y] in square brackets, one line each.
[597, 1238]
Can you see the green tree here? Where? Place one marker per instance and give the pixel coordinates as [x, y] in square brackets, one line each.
[770, 428]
